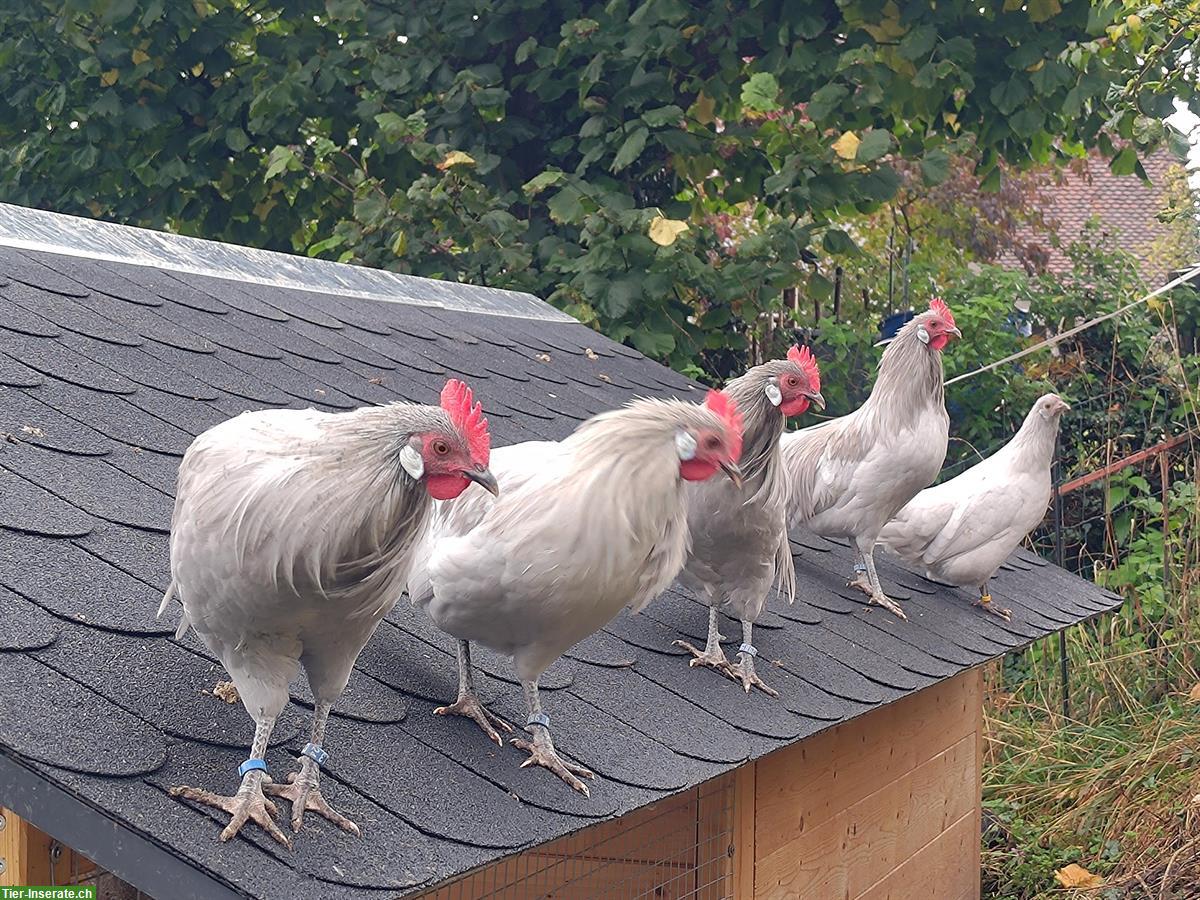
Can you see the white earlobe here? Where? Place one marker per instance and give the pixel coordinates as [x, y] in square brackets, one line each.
[685, 446]
[922, 334]
[411, 460]
[774, 395]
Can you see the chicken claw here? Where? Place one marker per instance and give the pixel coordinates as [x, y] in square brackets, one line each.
[713, 659]
[469, 707]
[248, 804]
[744, 671]
[304, 792]
[542, 753]
[878, 598]
[985, 601]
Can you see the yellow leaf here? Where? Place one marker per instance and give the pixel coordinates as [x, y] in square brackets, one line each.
[664, 231]
[1041, 10]
[139, 57]
[455, 158]
[889, 28]
[109, 78]
[1013, 5]
[1134, 22]
[1076, 876]
[1036, 67]
[703, 109]
[847, 145]
[198, 69]
[1194, 693]
[689, 31]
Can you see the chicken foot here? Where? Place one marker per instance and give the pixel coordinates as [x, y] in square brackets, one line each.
[303, 788]
[249, 803]
[985, 601]
[468, 704]
[744, 669]
[867, 580]
[712, 655]
[541, 749]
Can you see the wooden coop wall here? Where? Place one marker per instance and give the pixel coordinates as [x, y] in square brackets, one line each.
[885, 807]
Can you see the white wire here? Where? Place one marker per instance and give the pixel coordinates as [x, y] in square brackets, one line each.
[1062, 336]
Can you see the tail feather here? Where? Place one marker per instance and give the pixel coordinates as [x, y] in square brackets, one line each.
[785, 570]
[172, 588]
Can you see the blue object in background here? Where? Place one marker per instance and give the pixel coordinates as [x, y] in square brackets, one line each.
[893, 323]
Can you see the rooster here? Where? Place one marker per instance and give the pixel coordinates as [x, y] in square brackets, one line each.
[962, 530]
[849, 476]
[582, 528]
[739, 534]
[293, 535]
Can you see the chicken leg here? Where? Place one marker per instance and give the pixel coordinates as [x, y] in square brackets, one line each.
[744, 669]
[248, 803]
[985, 601]
[467, 704]
[712, 655]
[867, 580]
[541, 750]
[303, 788]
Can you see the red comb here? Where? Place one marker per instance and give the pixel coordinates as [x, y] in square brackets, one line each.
[457, 401]
[725, 407]
[938, 305]
[803, 357]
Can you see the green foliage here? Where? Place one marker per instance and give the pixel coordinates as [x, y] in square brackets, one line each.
[332, 128]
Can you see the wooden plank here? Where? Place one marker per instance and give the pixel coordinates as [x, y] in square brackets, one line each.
[715, 835]
[801, 786]
[27, 854]
[745, 805]
[939, 869]
[845, 855]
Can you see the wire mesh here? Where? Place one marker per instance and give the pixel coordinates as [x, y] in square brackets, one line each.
[677, 849]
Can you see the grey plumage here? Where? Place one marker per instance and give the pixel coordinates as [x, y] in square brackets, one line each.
[292, 536]
[849, 476]
[739, 542]
[581, 529]
[960, 531]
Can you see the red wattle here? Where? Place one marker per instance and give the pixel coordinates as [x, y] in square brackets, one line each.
[445, 487]
[794, 407]
[697, 470]
[939, 342]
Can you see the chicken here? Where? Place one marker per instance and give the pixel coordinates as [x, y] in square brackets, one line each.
[292, 536]
[849, 476]
[739, 534]
[580, 530]
[962, 530]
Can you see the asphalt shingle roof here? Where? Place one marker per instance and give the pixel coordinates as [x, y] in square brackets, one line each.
[108, 370]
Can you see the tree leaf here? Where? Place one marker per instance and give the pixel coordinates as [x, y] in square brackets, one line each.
[631, 149]
[847, 145]
[281, 159]
[874, 144]
[139, 56]
[1076, 876]
[664, 115]
[935, 166]
[109, 78]
[703, 109]
[838, 242]
[539, 183]
[653, 343]
[760, 93]
[455, 158]
[1041, 10]
[664, 231]
[1124, 163]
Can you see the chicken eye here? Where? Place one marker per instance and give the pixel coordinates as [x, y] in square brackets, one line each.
[441, 448]
[791, 381]
[712, 442]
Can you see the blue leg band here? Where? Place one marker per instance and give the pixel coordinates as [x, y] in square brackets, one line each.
[538, 719]
[748, 650]
[860, 568]
[250, 765]
[315, 753]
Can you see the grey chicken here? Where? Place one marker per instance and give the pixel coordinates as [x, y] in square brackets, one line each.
[739, 534]
[960, 531]
[581, 529]
[849, 476]
[292, 536]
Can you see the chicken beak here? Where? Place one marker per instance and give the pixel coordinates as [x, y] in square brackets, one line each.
[955, 332]
[485, 479]
[735, 474]
[1063, 405]
[817, 399]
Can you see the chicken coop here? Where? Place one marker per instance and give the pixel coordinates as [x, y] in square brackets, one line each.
[118, 346]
